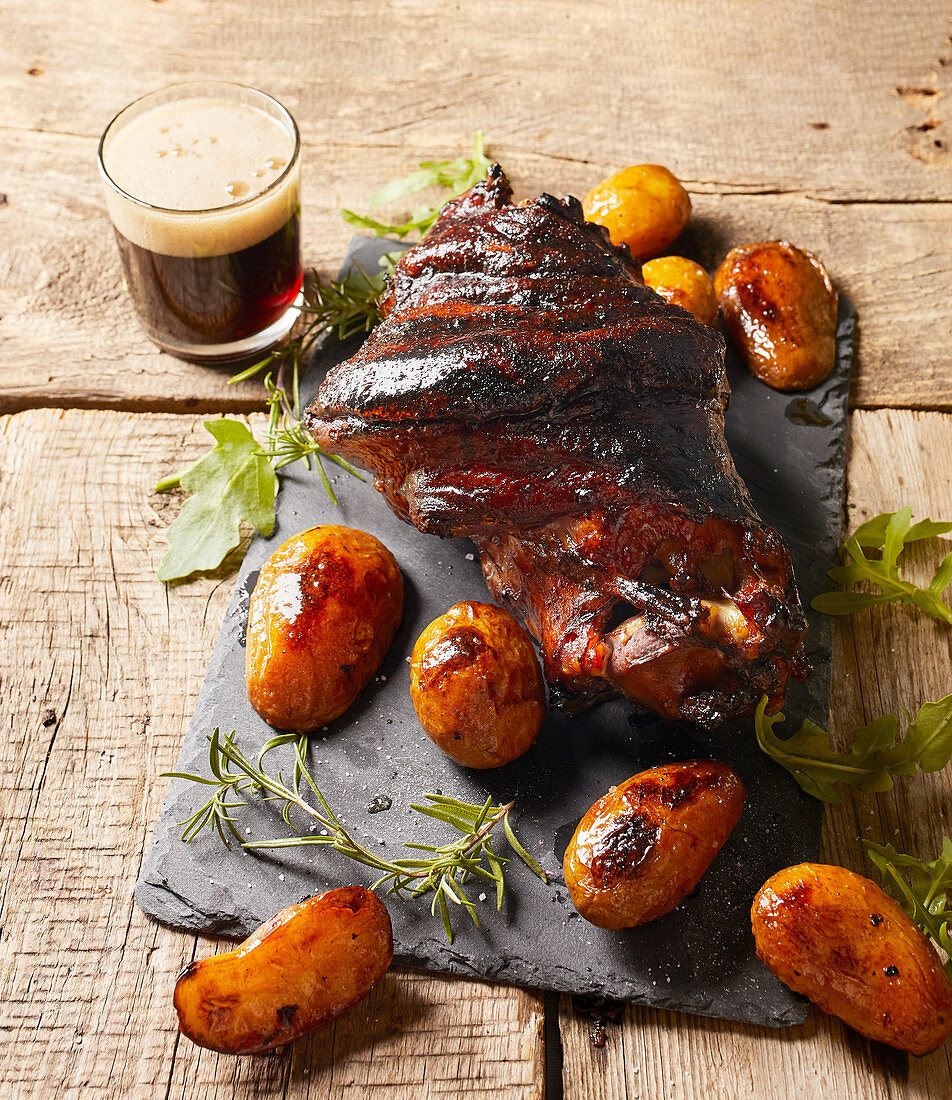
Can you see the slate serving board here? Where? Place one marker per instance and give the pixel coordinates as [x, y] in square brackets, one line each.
[700, 957]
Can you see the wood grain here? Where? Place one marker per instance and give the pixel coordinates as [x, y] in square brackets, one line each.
[812, 96]
[829, 124]
[71, 336]
[884, 660]
[99, 670]
[82, 970]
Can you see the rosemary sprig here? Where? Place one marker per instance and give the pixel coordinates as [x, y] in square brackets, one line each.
[342, 307]
[442, 870]
[235, 482]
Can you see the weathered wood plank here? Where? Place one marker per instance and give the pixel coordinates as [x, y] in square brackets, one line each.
[843, 101]
[99, 669]
[70, 337]
[80, 794]
[883, 660]
[731, 96]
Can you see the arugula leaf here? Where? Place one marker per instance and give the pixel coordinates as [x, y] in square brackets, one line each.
[421, 219]
[890, 533]
[873, 760]
[233, 482]
[926, 899]
[455, 175]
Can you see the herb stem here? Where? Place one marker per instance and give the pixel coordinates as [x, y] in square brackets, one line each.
[443, 871]
[485, 829]
[173, 481]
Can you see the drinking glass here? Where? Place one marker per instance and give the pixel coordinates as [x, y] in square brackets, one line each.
[202, 187]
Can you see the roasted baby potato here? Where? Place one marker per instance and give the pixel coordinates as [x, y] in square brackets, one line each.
[306, 966]
[645, 845]
[476, 685]
[780, 309]
[644, 207]
[835, 936]
[683, 283]
[323, 614]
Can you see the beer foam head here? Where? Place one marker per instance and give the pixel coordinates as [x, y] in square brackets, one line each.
[203, 173]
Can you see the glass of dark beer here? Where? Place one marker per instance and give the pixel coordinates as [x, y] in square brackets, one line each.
[203, 188]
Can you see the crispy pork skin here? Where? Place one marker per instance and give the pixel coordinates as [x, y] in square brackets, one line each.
[527, 390]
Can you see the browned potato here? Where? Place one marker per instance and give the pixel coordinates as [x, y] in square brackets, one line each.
[323, 614]
[683, 283]
[836, 937]
[644, 207]
[306, 966]
[476, 685]
[780, 309]
[645, 845]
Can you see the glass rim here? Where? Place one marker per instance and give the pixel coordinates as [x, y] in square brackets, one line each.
[173, 211]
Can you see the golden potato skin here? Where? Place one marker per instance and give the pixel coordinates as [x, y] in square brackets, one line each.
[644, 207]
[306, 966]
[645, 845]
[683, 283]
[780, 310]
[323, 614]
[476, 685]
[835, 936]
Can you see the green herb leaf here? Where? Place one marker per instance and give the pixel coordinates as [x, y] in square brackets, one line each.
[889, 533]
[521, 852]
[926, 897]
[456, 176]
[847, 603]
[873, 760]
[233, 483]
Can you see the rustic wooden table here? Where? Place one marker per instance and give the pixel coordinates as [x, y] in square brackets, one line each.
[821, 122]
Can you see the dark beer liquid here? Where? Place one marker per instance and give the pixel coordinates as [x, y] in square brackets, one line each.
[215, 299]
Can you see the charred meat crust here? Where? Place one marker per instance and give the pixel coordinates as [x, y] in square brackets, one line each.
[528, 391]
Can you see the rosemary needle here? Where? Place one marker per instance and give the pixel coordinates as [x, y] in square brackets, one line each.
[441, 870]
